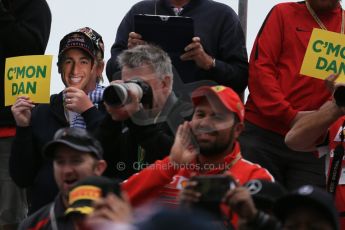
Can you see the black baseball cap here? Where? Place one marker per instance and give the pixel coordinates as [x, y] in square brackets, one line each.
[75, 138]
[84, 38]
[88, 190]
[264, 192]
[307, 195]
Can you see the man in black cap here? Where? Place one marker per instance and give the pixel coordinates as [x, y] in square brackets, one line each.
[265, 193]
[307, 207]
[80, 64]
[75, 155]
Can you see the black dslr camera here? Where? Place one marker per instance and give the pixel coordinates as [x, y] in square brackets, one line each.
[213, 187]
[118, 94]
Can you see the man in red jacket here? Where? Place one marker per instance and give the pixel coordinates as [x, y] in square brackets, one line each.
[322, 131]
[279, 94]
[207, 145]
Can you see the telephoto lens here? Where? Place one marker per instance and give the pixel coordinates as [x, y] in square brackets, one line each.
[339, 95]
[118, 94]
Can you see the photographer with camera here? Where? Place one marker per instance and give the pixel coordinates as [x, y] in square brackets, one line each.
[144, 112]
[205, 146]
[322, 132]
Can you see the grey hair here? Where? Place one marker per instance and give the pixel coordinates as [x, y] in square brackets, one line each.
[147, 54]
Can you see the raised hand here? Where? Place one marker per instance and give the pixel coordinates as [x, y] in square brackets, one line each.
[134, 39]
[76, 100]
[240, 201]
[330, 82]
[21, 111]
[183, 149]
[195, 51]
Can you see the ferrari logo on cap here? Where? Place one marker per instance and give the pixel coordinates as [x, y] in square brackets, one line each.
[218, 88]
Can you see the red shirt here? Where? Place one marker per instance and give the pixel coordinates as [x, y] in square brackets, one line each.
[277, 90]
[162, 181]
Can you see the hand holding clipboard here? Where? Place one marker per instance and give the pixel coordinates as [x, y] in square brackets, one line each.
[175, 34]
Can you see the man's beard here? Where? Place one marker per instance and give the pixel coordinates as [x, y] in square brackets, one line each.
[218, 148]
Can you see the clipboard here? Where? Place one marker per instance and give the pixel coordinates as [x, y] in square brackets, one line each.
[171, 33]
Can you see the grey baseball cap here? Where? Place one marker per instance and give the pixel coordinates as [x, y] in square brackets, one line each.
[74, 138]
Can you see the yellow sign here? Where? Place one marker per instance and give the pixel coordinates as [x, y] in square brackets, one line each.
[325, 55]
[28, 75]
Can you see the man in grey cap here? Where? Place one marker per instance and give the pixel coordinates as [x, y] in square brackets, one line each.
[75, 155]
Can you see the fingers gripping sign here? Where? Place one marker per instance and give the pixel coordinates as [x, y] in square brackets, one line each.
[21, 111]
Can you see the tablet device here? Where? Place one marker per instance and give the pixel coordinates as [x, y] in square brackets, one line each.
[171, 33]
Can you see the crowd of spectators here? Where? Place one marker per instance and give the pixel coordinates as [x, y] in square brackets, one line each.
[147, 153]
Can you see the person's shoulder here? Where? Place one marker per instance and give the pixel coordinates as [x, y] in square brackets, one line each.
[219, 6]
[38, 218]
[144, 5]
[289, 6]
[250, 170]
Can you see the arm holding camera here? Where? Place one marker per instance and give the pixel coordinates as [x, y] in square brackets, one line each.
[189, 195]
[240, 201]
[307, 131]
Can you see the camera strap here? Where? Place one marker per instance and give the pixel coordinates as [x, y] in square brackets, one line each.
[335, 168]
[52, 217]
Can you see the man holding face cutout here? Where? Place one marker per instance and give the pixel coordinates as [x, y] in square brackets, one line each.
[80, 64]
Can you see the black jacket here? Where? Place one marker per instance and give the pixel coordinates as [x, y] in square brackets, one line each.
[135, 143]
[28, 168]
[221, 35]
[24, 30]
[42, 220]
